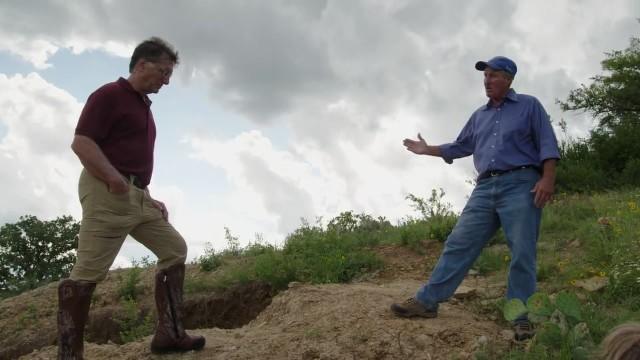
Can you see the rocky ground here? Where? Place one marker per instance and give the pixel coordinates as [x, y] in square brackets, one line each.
[335, 321]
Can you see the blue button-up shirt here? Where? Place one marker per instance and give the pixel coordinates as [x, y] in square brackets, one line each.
[516, 133]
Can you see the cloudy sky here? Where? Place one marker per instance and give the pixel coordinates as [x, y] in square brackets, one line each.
[283, 109]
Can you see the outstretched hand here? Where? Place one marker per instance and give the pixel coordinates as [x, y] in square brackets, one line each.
[416, 146]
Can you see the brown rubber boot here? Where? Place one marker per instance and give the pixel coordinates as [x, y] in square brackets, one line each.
[74, 299]
[170, 335]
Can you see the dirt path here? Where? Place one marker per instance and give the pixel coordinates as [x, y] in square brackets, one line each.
[340, 321]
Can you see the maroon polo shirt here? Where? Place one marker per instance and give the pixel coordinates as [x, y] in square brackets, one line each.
[120, 121]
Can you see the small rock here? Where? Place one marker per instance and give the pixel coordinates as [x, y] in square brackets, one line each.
[581, 333]
[491, 291]
[422, 341]
[574, 244]
[480, 343]
[464, 292]
[507, 335]
[593, 284]
[483, 340]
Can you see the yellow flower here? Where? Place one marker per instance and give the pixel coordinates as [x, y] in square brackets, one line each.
[602, 273]
[507, 258]
[632, 205]
[572, 282]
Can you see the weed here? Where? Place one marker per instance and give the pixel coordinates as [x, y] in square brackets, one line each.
[28, 317]
[134, 324]
[492, 259]
[129, 287]
[210, 260]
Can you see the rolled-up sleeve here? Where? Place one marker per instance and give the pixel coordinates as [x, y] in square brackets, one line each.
[463, 146]
[543, 134]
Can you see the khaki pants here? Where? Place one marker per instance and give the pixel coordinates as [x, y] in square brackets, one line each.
[108, 218]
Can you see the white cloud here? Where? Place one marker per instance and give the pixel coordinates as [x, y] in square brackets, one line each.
[37, 52]
[37, 168]
[348, 80]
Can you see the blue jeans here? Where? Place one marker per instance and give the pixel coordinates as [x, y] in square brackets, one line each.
[505, 201]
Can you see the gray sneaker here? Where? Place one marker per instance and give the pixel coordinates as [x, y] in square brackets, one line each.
[412, 308]
[523, 330]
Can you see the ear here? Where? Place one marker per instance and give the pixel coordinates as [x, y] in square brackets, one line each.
[139, 65]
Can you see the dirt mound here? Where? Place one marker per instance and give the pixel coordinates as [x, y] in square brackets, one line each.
[231, 309]
[337, 321]
[349, 321]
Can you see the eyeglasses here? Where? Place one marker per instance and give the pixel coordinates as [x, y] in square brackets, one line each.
[164, 71]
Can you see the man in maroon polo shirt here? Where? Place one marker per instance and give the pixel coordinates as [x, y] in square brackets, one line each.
[114, 141]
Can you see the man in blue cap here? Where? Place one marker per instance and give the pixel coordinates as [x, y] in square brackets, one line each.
[514, 151]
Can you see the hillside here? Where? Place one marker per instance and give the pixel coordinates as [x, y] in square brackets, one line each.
[334, 321]
[587, 253]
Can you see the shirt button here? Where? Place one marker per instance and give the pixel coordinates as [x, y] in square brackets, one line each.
[492, 146]
[498, 109]
[493, 160]
[495, 134]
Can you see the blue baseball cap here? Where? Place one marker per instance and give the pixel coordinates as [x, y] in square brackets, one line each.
[498, 63]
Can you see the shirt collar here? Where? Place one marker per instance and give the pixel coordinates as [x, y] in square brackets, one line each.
[127, 85]
[511, 96]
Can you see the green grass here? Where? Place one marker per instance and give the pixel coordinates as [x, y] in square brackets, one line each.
[313, 254]
[134, 324]
[129, 284]
[492, 259]
[581, 236]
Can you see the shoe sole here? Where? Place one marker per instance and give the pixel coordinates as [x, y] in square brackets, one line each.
[410, 315]
[523, 337]
[170, 350]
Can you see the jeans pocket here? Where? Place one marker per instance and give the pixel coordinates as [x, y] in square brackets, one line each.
[528, 175]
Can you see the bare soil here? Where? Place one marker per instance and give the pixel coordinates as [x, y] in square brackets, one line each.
[334, 321]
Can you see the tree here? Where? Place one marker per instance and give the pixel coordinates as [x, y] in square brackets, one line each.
[34, 251]
[615, 97]
[610, 156]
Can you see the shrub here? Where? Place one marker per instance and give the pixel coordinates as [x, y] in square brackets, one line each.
[326, 257]
[491, 260]
[129, 287]
[210, 260]
[631, 173]
[624, 278]
[560, 324]
[275, 268]
[134, 324]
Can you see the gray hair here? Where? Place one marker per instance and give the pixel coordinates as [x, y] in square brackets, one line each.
[153, 49]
